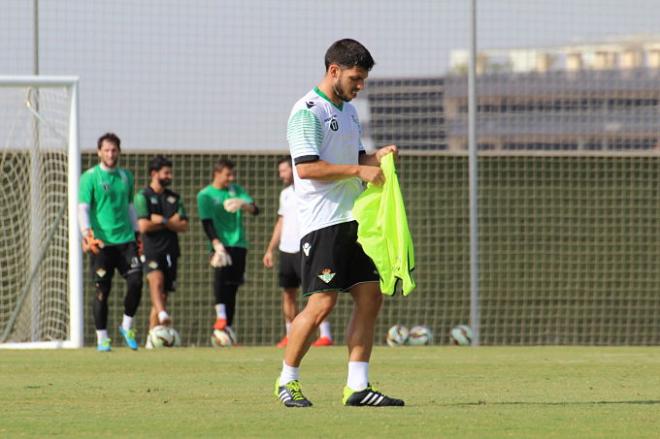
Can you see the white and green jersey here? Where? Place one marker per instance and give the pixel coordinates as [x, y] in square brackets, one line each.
[320, 130]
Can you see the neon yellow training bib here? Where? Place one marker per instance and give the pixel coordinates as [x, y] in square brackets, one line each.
[383, 231]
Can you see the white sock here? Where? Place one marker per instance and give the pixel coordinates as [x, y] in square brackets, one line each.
[358, 375]
[288, 328]
[289, 374]
[162, 316]
[220, 311]
[101, 335]
[325, 329]
[127, 322]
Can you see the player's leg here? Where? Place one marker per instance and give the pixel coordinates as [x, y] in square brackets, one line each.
[367, 301]
[289, 281]
[289, 310]
[219, 286]
[303, 329]
[304, 326]
[130, 268]
[322, 278]
[156, 281]
[103, 268]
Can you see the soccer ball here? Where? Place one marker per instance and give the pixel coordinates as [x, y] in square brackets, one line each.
[461, 335]
[419, 336]
[164, 337]
[223, 338]
[397, 335]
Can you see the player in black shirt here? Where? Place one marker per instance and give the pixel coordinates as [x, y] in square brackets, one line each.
[161, 217]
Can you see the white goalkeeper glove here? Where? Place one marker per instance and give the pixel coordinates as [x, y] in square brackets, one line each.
[232, 205]
[220, 258]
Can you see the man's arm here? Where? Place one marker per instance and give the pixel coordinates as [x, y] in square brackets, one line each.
[274, 241]
[322, 170]
[177, 224]
[374, 158]
[146, 221]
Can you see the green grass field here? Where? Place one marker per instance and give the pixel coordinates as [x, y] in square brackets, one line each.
[550, 392]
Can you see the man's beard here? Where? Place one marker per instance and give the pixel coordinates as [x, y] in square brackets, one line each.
[340, 94]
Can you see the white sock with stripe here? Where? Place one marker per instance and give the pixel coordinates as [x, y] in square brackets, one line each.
[220, 311]
[288, 328]
[289, 373]
[358, 375]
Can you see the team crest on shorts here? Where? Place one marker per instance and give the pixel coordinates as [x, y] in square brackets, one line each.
[153, 265]
[306, 248]
[326, 275]
[171, 199]
[101, 272]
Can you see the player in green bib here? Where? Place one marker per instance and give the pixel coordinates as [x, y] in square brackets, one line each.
[221, 206]
[108, 224]
[161, 217]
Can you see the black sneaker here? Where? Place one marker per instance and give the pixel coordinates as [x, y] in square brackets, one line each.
[291, 394]
[369, 397]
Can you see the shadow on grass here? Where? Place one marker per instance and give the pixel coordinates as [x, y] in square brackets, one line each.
[562, 403]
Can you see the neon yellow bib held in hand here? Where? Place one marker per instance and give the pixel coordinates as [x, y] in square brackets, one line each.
[383, 231]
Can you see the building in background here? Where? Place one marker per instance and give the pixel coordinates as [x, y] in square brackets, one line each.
[585, 97]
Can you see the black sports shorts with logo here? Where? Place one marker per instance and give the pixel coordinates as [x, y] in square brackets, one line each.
[123, 257]
[332, 260]
[289, 271]
[163, 262]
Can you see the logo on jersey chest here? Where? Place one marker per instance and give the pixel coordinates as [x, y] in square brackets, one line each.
[332, 122]
[105, 185]
[154, 200]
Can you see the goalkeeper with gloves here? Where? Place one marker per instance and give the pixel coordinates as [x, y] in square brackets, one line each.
[221, 205]
[108, 223]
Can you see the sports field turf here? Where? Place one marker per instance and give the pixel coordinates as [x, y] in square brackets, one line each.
[549, 392]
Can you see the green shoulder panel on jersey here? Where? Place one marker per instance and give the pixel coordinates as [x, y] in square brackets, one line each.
[141, 205]
[304, 133]
[181, 210]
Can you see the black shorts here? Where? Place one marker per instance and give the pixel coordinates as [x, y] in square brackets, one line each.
[165, 263]
[233, 274]
[332, 260]
[289, 272]
[123, 257]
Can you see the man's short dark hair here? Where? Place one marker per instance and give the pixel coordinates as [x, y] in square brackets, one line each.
[347, 54]
[159, 162]
[285, 159]
[109, 137]
[222, 164]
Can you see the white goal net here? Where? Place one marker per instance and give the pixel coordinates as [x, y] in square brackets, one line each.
[39, 255]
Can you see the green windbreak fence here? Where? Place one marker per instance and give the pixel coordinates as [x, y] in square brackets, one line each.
[569, 250]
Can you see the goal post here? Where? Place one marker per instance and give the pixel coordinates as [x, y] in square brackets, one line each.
[41, 296]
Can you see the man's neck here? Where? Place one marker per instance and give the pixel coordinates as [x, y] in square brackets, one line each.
[156, 187]
[327, 90]
[107, 168]
[217, 185]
